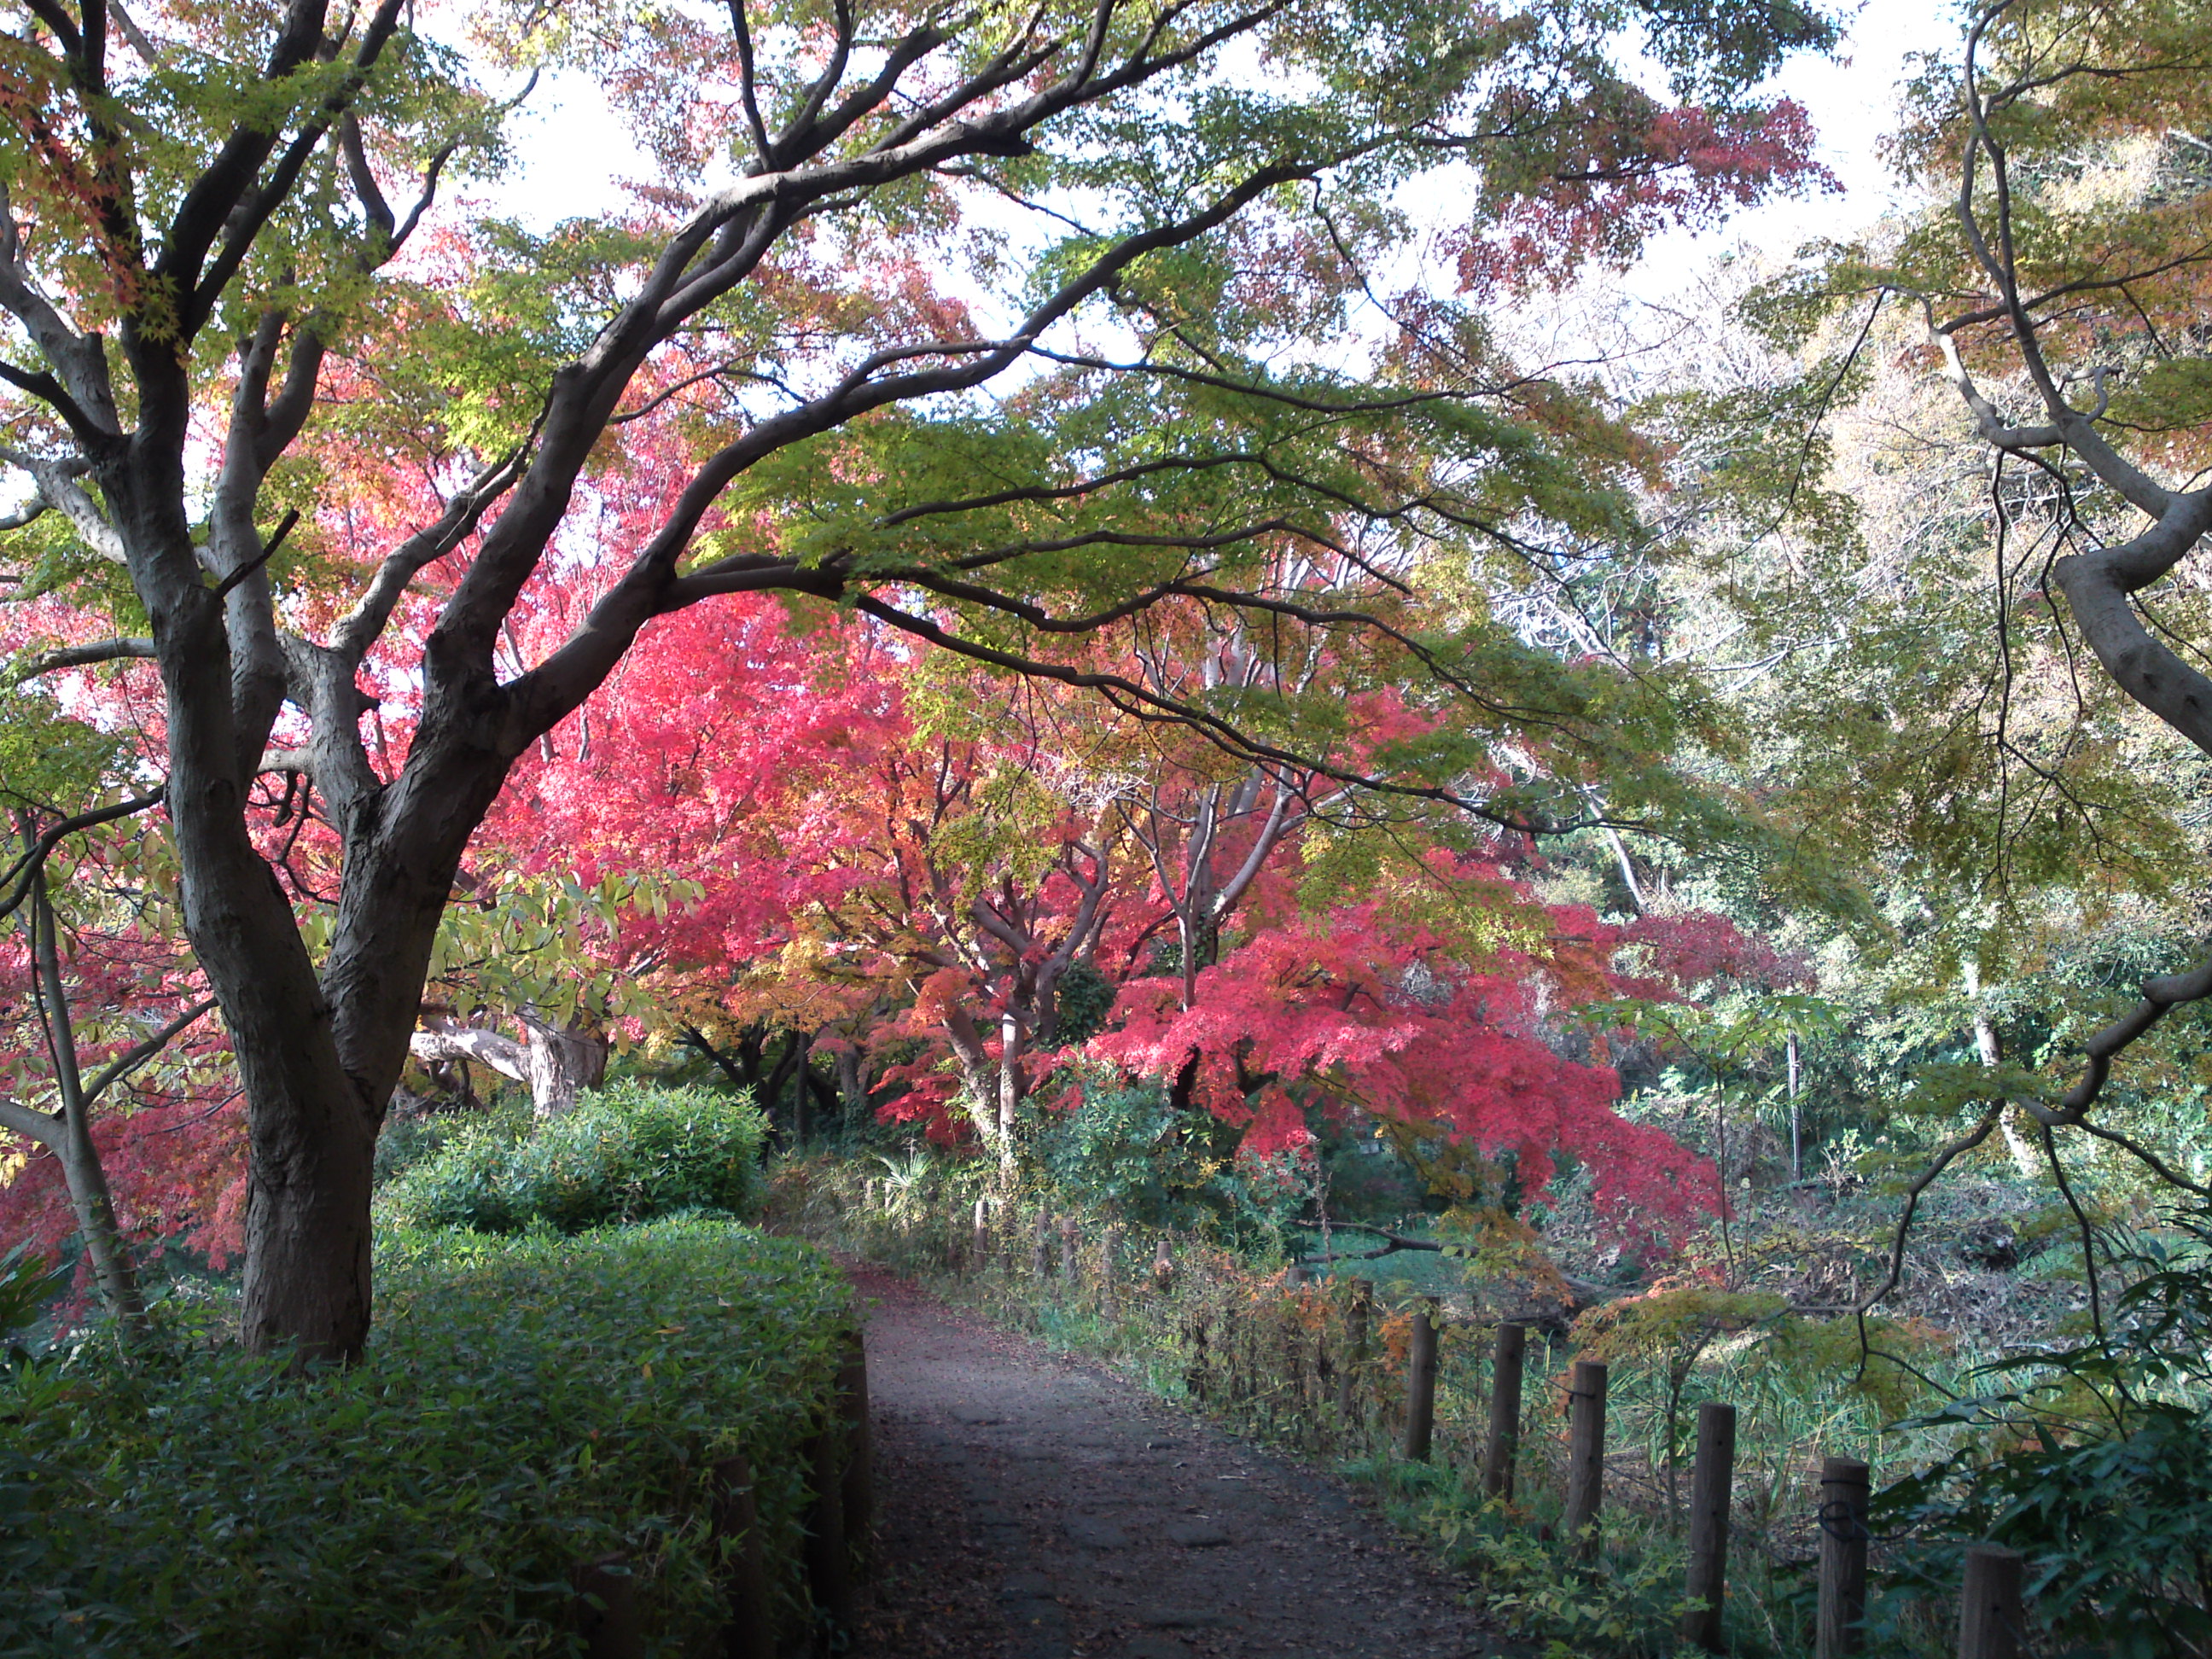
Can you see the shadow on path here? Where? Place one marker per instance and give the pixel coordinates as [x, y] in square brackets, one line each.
[1036, 1507]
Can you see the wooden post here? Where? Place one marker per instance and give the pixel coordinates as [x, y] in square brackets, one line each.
[1501, 1447]
[857, 1488]
[606, 1608]
[1421, 1382]
[1196, 1379]
[1070, 1241]
[981, 1236]
[1163, 1268]
[1040, 1245]
[1585, 1454]
[1110, 1269]
[1357, 1318]
[868, 1194]
[1844, 1484]
[1989, 1613]
[751, 1632]
[828, 1554]
[1709, 1488]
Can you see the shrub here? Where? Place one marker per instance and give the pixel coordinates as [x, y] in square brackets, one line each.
[1131, 1154]
[626, 1153]
[406, 1142]
[524, 1404]
[27, 1284]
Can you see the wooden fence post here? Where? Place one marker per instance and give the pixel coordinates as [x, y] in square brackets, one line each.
[1110, 1269]
[751, 1632]
[980, 1234]
[828, 1553]
[610, 1630]
[1844, 1484]
[1989, 1612]
[1357, 1318]
[857, 1487]
[1421, 1382]
[1163, 1268]
[1709, 1488]
[1196, 1380]
[1585, 1454]
[1503, 1443]
[1040, 1245]
[1070, 1240]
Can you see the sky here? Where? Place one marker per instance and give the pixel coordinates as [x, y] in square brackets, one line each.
[581, 152]
[1851, 100]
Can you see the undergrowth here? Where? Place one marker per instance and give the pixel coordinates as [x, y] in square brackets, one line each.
[525, 1403]
[626, 1152]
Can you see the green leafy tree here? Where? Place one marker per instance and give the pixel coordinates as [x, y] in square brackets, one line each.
[233, 303]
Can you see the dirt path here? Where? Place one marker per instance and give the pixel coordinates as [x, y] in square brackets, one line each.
[1035, 1507]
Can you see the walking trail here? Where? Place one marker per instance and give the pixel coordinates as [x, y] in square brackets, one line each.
[1034, 1506]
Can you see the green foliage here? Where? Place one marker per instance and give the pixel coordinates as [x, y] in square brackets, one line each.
[524, 1404]
[1085, 997]
[2116, 1528]
[27, 1284]
[407, 1142]
[49, 761]
[2098, 1468]
[1626, 1606]
[1130, 1152]
[627, 1152]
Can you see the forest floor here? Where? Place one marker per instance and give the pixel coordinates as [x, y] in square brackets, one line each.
[1035, 1506]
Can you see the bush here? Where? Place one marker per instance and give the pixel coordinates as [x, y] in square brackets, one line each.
[629, 1152]
[406, 1142]
[1130, 1154]
[524, 1404]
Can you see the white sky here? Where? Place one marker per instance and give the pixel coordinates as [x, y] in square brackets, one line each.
[1852, 102]
[579, 152]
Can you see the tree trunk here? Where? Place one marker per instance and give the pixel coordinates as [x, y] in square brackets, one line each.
[852, 1079]
[1797, 1117]
[976, 1074]
[81, 1173]
[802, 1049]
[1988, 1049]
[559, 1064]
[1009, 1085]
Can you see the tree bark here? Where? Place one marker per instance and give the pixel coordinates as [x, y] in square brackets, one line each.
[67, 1133]
[557, 1063]
[1988, 1049]
[562, 1062]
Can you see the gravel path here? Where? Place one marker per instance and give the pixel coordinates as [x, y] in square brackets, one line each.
[1036, 1507]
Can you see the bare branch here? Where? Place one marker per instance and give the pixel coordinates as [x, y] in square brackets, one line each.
[24, 872]
[57, 486]
[83, 656]
[132, 1058]
[44, 1127]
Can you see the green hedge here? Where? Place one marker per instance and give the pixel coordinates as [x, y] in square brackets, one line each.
[627, 1152]
[524, 1404]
